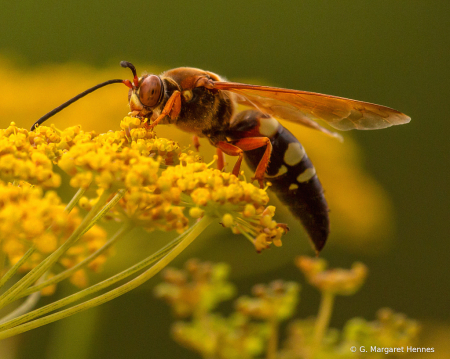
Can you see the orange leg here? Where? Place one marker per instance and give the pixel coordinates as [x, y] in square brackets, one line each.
[232, 150]
[196, 142]
[220, 159]
[247, 144]
[172, 108]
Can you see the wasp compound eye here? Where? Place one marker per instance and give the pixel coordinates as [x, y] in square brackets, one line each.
[151, 91]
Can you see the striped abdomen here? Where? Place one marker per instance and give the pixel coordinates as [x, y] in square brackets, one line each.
[290, 171]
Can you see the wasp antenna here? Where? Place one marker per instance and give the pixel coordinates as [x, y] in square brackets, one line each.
[133, 70]
[72, 100]
[129, 65]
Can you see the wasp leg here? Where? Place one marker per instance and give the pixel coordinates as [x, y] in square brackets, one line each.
[220, 159]
[232, 150]
[251, 143]
[172, 108]
[196, 142]
[247, 144]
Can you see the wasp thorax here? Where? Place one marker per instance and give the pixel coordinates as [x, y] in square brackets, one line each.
[151, 90]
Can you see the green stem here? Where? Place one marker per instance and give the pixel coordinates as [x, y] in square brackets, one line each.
[99, 286]
[272, 345]
[100, 214]
[2, 261]
[75, 199]
[323, 319]
[12, 293]
[127, 226]
[16, 266]
[26, 306]
[180, 246]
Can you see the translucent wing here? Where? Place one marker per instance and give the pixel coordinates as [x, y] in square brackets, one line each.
[304, 107]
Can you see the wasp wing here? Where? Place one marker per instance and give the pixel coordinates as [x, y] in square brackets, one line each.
[304, 107]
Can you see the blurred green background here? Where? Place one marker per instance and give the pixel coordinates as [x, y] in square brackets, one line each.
[391, 53]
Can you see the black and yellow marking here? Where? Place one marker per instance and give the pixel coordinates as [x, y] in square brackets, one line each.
[291, 173]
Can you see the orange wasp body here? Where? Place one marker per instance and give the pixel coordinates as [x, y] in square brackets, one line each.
[202, 103]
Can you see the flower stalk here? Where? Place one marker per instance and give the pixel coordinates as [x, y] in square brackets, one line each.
[142, 278]
[123, 230]
[13, 270]
[26, 306]
[75, 199]
[97, 287]
[12, 293]
[272, 344]
[323, 318]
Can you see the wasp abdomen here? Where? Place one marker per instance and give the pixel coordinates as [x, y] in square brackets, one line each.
[290, 171]
[300, 189]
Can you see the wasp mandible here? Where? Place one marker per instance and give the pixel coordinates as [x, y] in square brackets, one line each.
[204, 104]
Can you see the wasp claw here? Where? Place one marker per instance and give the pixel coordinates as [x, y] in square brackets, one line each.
[196, 142]
[260, 181]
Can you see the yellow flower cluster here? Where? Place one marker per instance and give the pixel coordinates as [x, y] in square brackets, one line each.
[134, 159]
[197, 289]
[120, 159]
[218, 337]
[26, 156]
[145, 141]
[338, 281]
[388, 330]
[277, 300]
[394, 329]
[156, 200]
[240, 205]
[151, 210]
[115, 159]
[254, 325]
[26, 214]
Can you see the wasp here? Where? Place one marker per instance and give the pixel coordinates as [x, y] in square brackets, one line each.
[204, 104]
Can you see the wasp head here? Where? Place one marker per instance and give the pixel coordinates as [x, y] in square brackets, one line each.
[145, 93]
